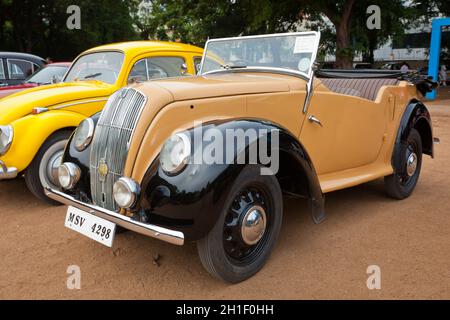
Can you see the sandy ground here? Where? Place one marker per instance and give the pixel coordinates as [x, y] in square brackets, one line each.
[409, 240]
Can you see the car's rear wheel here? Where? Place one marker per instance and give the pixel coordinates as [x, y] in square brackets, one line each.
[43, 170]
[240, 243]
[401, 184]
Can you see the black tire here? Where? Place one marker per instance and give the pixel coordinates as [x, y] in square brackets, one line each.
[401, 184]
[36, 176]
[216, 248]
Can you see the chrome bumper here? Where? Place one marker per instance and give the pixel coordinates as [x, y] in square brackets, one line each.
[171, 236]
[7, 173]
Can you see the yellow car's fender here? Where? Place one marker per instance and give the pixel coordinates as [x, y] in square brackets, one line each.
[30, 133]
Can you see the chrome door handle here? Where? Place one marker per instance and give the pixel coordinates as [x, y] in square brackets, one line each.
[315, 120]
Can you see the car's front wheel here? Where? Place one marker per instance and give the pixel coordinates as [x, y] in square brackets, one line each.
[43, 170]
[242, 239]
[401, 184]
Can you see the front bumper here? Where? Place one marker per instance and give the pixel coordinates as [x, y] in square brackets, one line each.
[171, 236]
[7, 173]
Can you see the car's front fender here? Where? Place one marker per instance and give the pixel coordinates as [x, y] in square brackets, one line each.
[191, 201]
[31, 131]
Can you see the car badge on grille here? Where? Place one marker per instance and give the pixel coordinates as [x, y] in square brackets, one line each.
[102, 169]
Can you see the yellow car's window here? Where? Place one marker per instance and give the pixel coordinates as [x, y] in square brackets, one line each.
[157, 68]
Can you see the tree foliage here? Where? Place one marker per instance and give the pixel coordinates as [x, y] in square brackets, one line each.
[39, 26]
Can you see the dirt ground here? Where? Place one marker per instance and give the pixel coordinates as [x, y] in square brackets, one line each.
[409, 240]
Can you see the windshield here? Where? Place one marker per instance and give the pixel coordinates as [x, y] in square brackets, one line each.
[293, 52]
[103, 66]
[49, 74]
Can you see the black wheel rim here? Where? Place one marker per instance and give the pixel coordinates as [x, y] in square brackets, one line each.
[237, 250]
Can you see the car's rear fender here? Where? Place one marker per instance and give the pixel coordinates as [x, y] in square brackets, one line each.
[30, 132]
[416, 116]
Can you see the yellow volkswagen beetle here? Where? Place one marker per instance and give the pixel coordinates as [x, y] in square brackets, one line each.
[35, 124]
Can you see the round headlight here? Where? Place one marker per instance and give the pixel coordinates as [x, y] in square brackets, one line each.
[175, 153]
[83, 134]
[68, 175]
[6, 137]
[126, 192]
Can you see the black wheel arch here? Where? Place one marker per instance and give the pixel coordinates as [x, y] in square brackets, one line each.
[417, 116]
[190, 202]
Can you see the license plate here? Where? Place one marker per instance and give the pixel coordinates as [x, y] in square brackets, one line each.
[91, 226]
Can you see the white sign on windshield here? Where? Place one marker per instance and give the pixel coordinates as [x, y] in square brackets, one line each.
[305, 44]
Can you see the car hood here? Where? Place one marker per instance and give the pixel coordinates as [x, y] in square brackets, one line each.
[225, 84]
[21, 104]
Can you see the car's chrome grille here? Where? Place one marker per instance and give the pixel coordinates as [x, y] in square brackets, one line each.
[111, 142]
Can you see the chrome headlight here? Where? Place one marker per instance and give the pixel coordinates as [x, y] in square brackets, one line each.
[68, 175]
[126, 192]
[175, 153]
[6, 137]
[83, 134]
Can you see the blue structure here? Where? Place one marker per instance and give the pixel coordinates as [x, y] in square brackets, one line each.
[435, 49]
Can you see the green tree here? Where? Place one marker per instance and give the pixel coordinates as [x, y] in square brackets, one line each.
[39, 26]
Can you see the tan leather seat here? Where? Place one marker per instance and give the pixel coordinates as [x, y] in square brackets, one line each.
[363, 87]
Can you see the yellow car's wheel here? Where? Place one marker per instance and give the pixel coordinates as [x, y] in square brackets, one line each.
[43, 170]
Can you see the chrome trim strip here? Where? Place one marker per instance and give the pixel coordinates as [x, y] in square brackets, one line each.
[7, 173]
[167, 235]
[77, 103]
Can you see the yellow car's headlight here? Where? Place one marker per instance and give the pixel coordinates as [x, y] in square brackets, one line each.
[6, 137]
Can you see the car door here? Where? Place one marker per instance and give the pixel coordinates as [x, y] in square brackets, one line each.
[342, 132]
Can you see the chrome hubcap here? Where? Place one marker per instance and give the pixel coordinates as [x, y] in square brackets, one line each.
[253, 225]
[411, 164]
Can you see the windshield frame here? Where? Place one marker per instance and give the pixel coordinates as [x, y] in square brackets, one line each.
[267, 69]
[94, 52]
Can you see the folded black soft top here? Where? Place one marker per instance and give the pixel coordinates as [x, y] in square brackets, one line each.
[423, 83]
[359, 73]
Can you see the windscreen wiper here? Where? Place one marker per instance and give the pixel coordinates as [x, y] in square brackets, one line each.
[94, 75]
[227, 66]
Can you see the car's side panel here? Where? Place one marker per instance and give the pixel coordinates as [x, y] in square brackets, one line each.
[33, 130]
[177, 116]
[283, 108]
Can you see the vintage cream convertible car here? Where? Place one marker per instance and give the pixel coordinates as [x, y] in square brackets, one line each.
[35, 124]
[146, 166]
